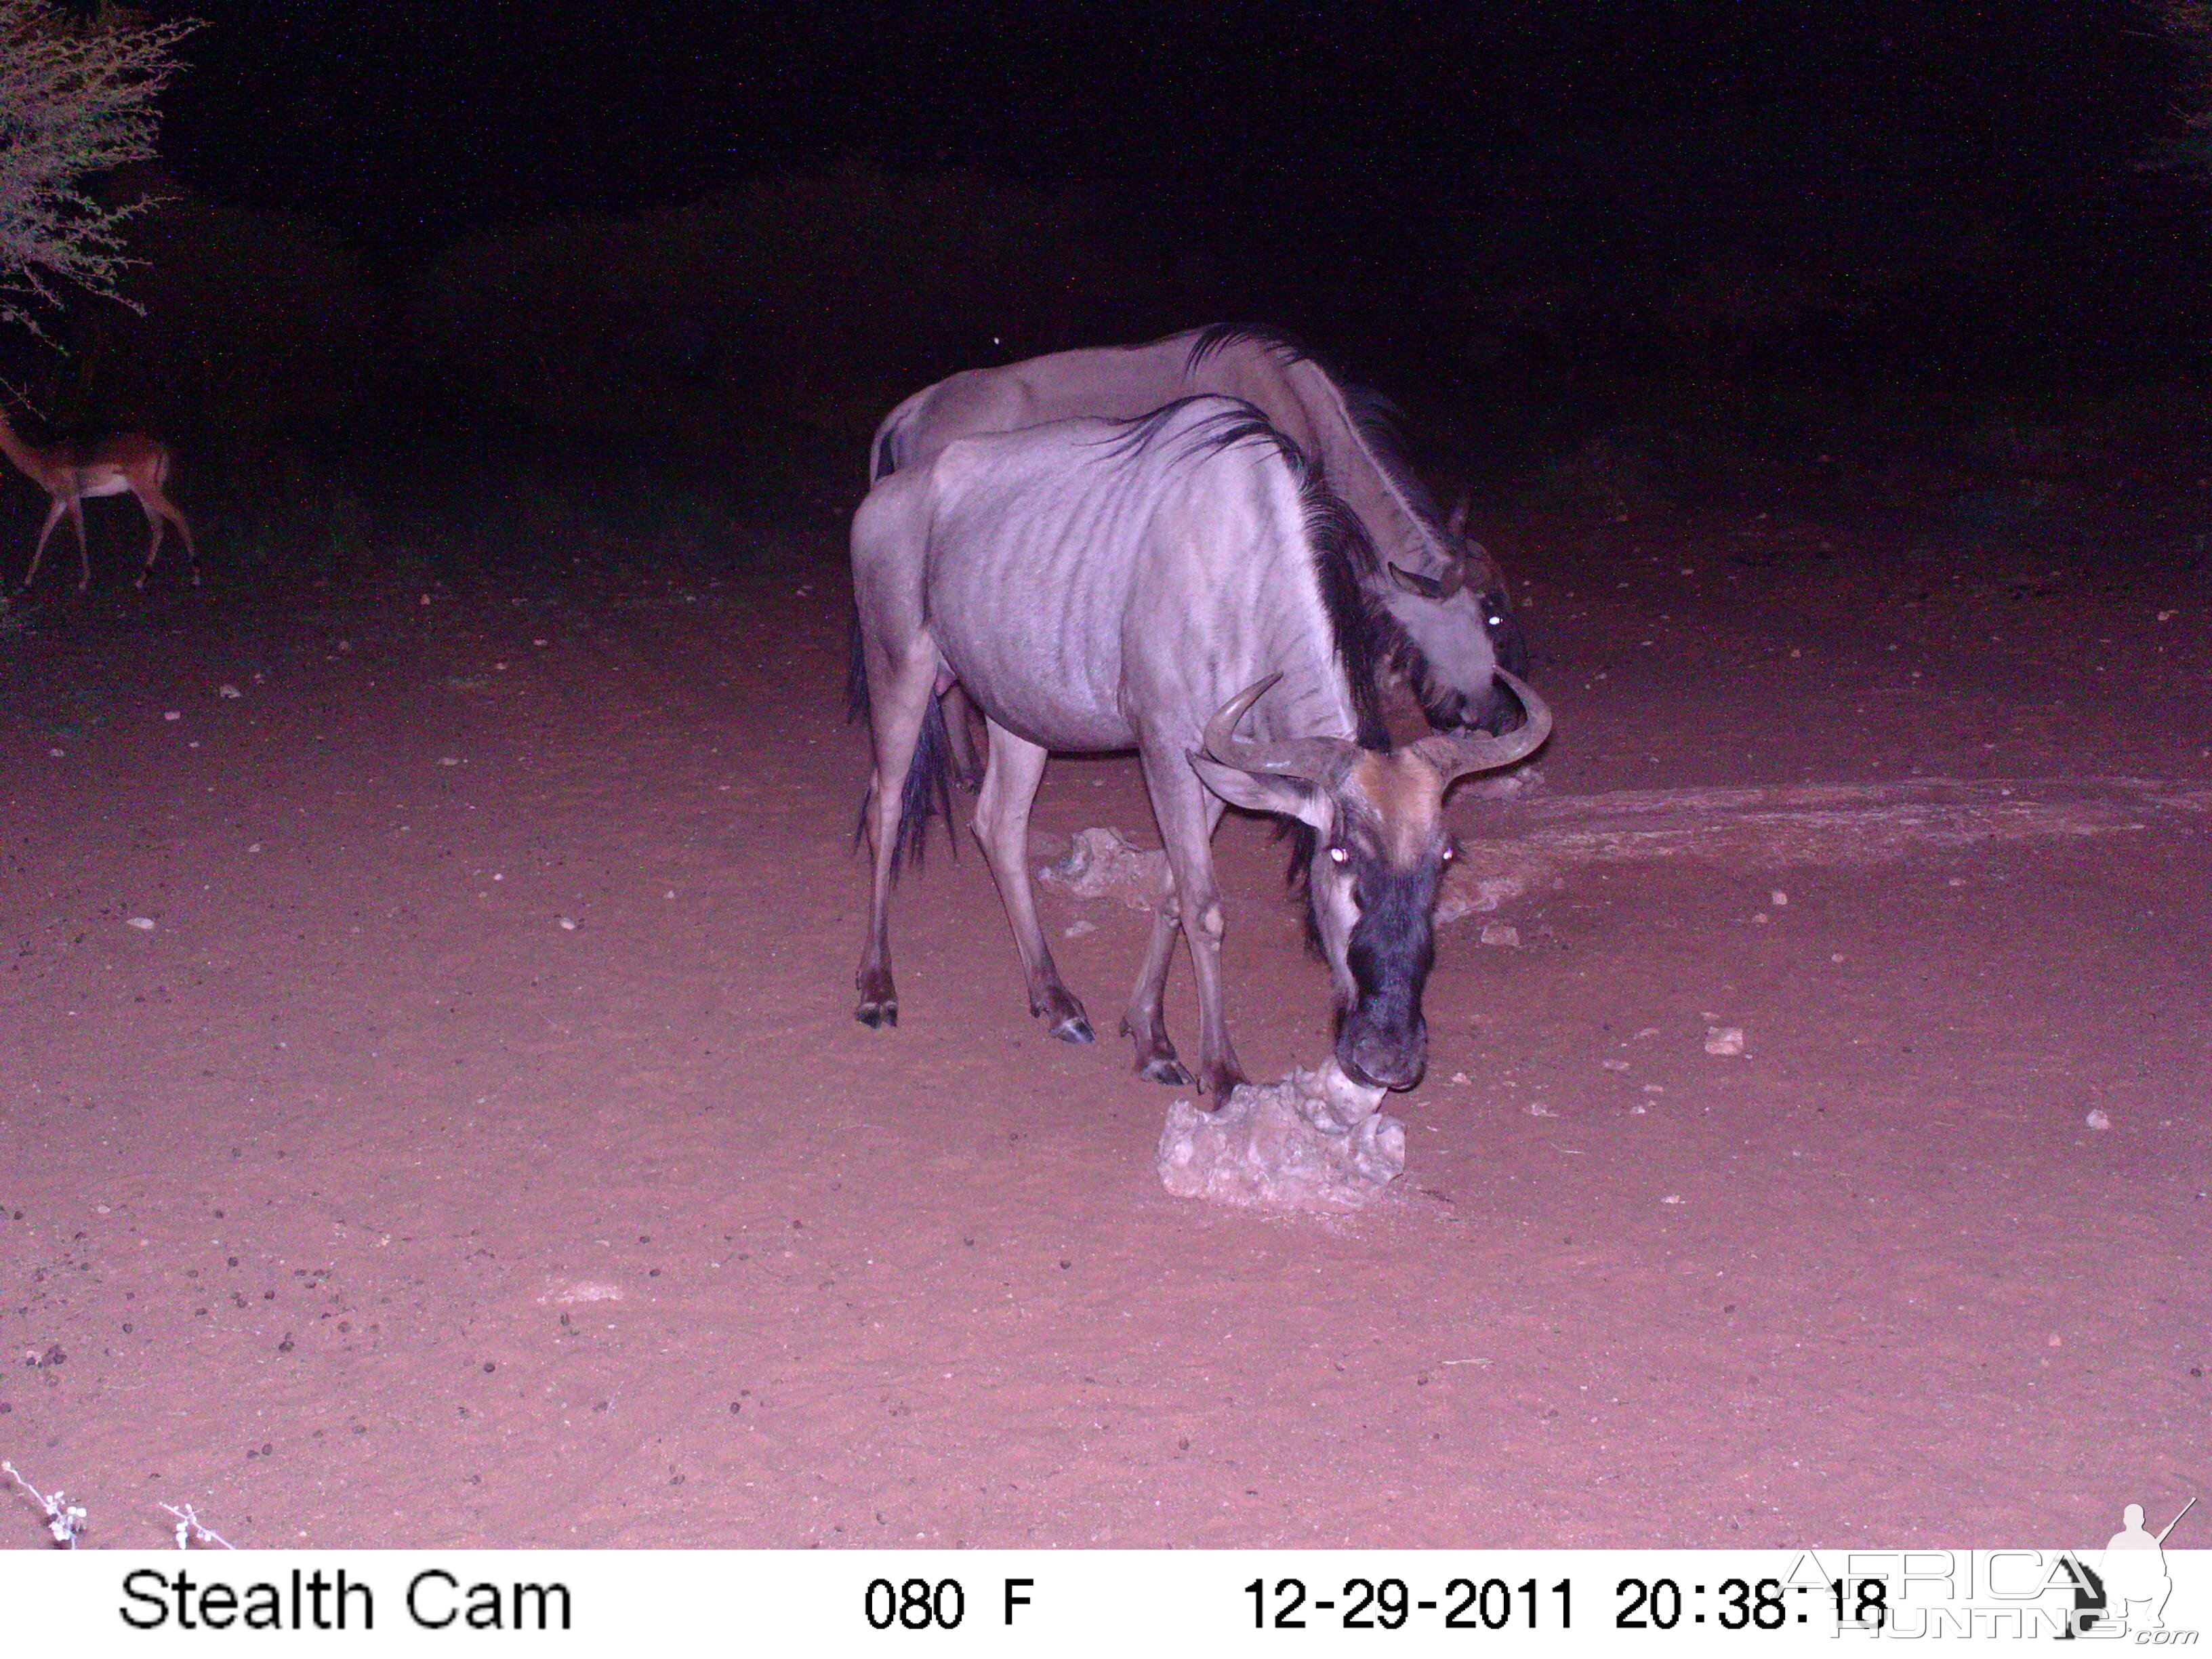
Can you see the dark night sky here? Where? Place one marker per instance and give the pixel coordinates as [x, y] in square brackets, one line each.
[407, 120]
[1323, 165]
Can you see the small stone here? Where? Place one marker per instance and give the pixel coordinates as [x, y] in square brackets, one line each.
[568, 923]
[1724, 1040]
[1537, 1109]
[173, 716]
[143, 924]
[1778, 898]
[1501, 934]
[2096, 1120]
[1078, 928]
[229, 691]
[1100, 864]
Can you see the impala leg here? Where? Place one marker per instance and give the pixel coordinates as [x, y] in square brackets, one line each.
[154, 523]
[1187, 813]
[1143, 1024]
[158, 507]
[1002, 825]
[898, 697]
[84, 555]
[46, 532]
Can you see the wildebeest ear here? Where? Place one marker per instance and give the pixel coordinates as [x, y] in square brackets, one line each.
[1437, 588]
[1262, 791]
[1455, 527]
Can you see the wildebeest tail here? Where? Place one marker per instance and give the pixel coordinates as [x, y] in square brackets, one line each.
[929, 774]
[856, 668]
[928, 792]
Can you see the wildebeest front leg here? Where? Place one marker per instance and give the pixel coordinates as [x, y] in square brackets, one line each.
[898, 697]
[1187, 813]
[1002, 825]
[1143, 1024]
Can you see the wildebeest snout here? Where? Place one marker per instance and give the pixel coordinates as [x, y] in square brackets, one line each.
[1383, 1053]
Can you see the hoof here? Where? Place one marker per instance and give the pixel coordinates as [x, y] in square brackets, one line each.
[1162, 1068]
[1074, 1029]
[878, 1016]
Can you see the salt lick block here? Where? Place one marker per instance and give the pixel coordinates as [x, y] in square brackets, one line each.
[1313, 1141]
[1101, 865]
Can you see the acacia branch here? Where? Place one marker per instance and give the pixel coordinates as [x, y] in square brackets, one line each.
[76, 99]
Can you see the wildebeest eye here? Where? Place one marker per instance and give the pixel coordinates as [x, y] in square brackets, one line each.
[1450, 852]
[1339, 854]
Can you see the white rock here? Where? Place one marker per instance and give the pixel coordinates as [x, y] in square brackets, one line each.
[1101, 865]
[1313, 1141]
[2096, 1120]
[1501, 934]
[1723, 1040]
[229, 691]
[143, 924]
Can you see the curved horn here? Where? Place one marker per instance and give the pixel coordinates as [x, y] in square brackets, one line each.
[1316, 760]
[1454, 754]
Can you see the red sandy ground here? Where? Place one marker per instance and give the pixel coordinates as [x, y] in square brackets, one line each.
[362, 1201]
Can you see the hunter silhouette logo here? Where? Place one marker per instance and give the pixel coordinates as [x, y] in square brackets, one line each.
[2135, 1581]
[2127, 1589]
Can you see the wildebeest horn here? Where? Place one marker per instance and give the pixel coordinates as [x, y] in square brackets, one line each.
[1316, 760]
[1433, 587]
[1454, 754]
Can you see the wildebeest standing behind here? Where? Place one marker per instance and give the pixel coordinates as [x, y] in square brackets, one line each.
[1449, 603]
[1102, 585]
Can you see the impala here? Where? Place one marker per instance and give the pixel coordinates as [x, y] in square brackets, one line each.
[69, 473]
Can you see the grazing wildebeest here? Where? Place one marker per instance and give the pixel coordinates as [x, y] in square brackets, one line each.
[1453, 618]
[1151, 584]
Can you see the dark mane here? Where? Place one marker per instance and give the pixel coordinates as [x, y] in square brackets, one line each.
[1345, 562]
[1366, 635]
[1239, 423]
[1373, 415]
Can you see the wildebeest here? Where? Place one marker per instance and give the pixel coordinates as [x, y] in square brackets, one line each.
[1154, 584]
[1453, 618]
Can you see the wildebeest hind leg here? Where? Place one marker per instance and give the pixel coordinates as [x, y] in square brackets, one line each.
[898, 697]
[1002, 825]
